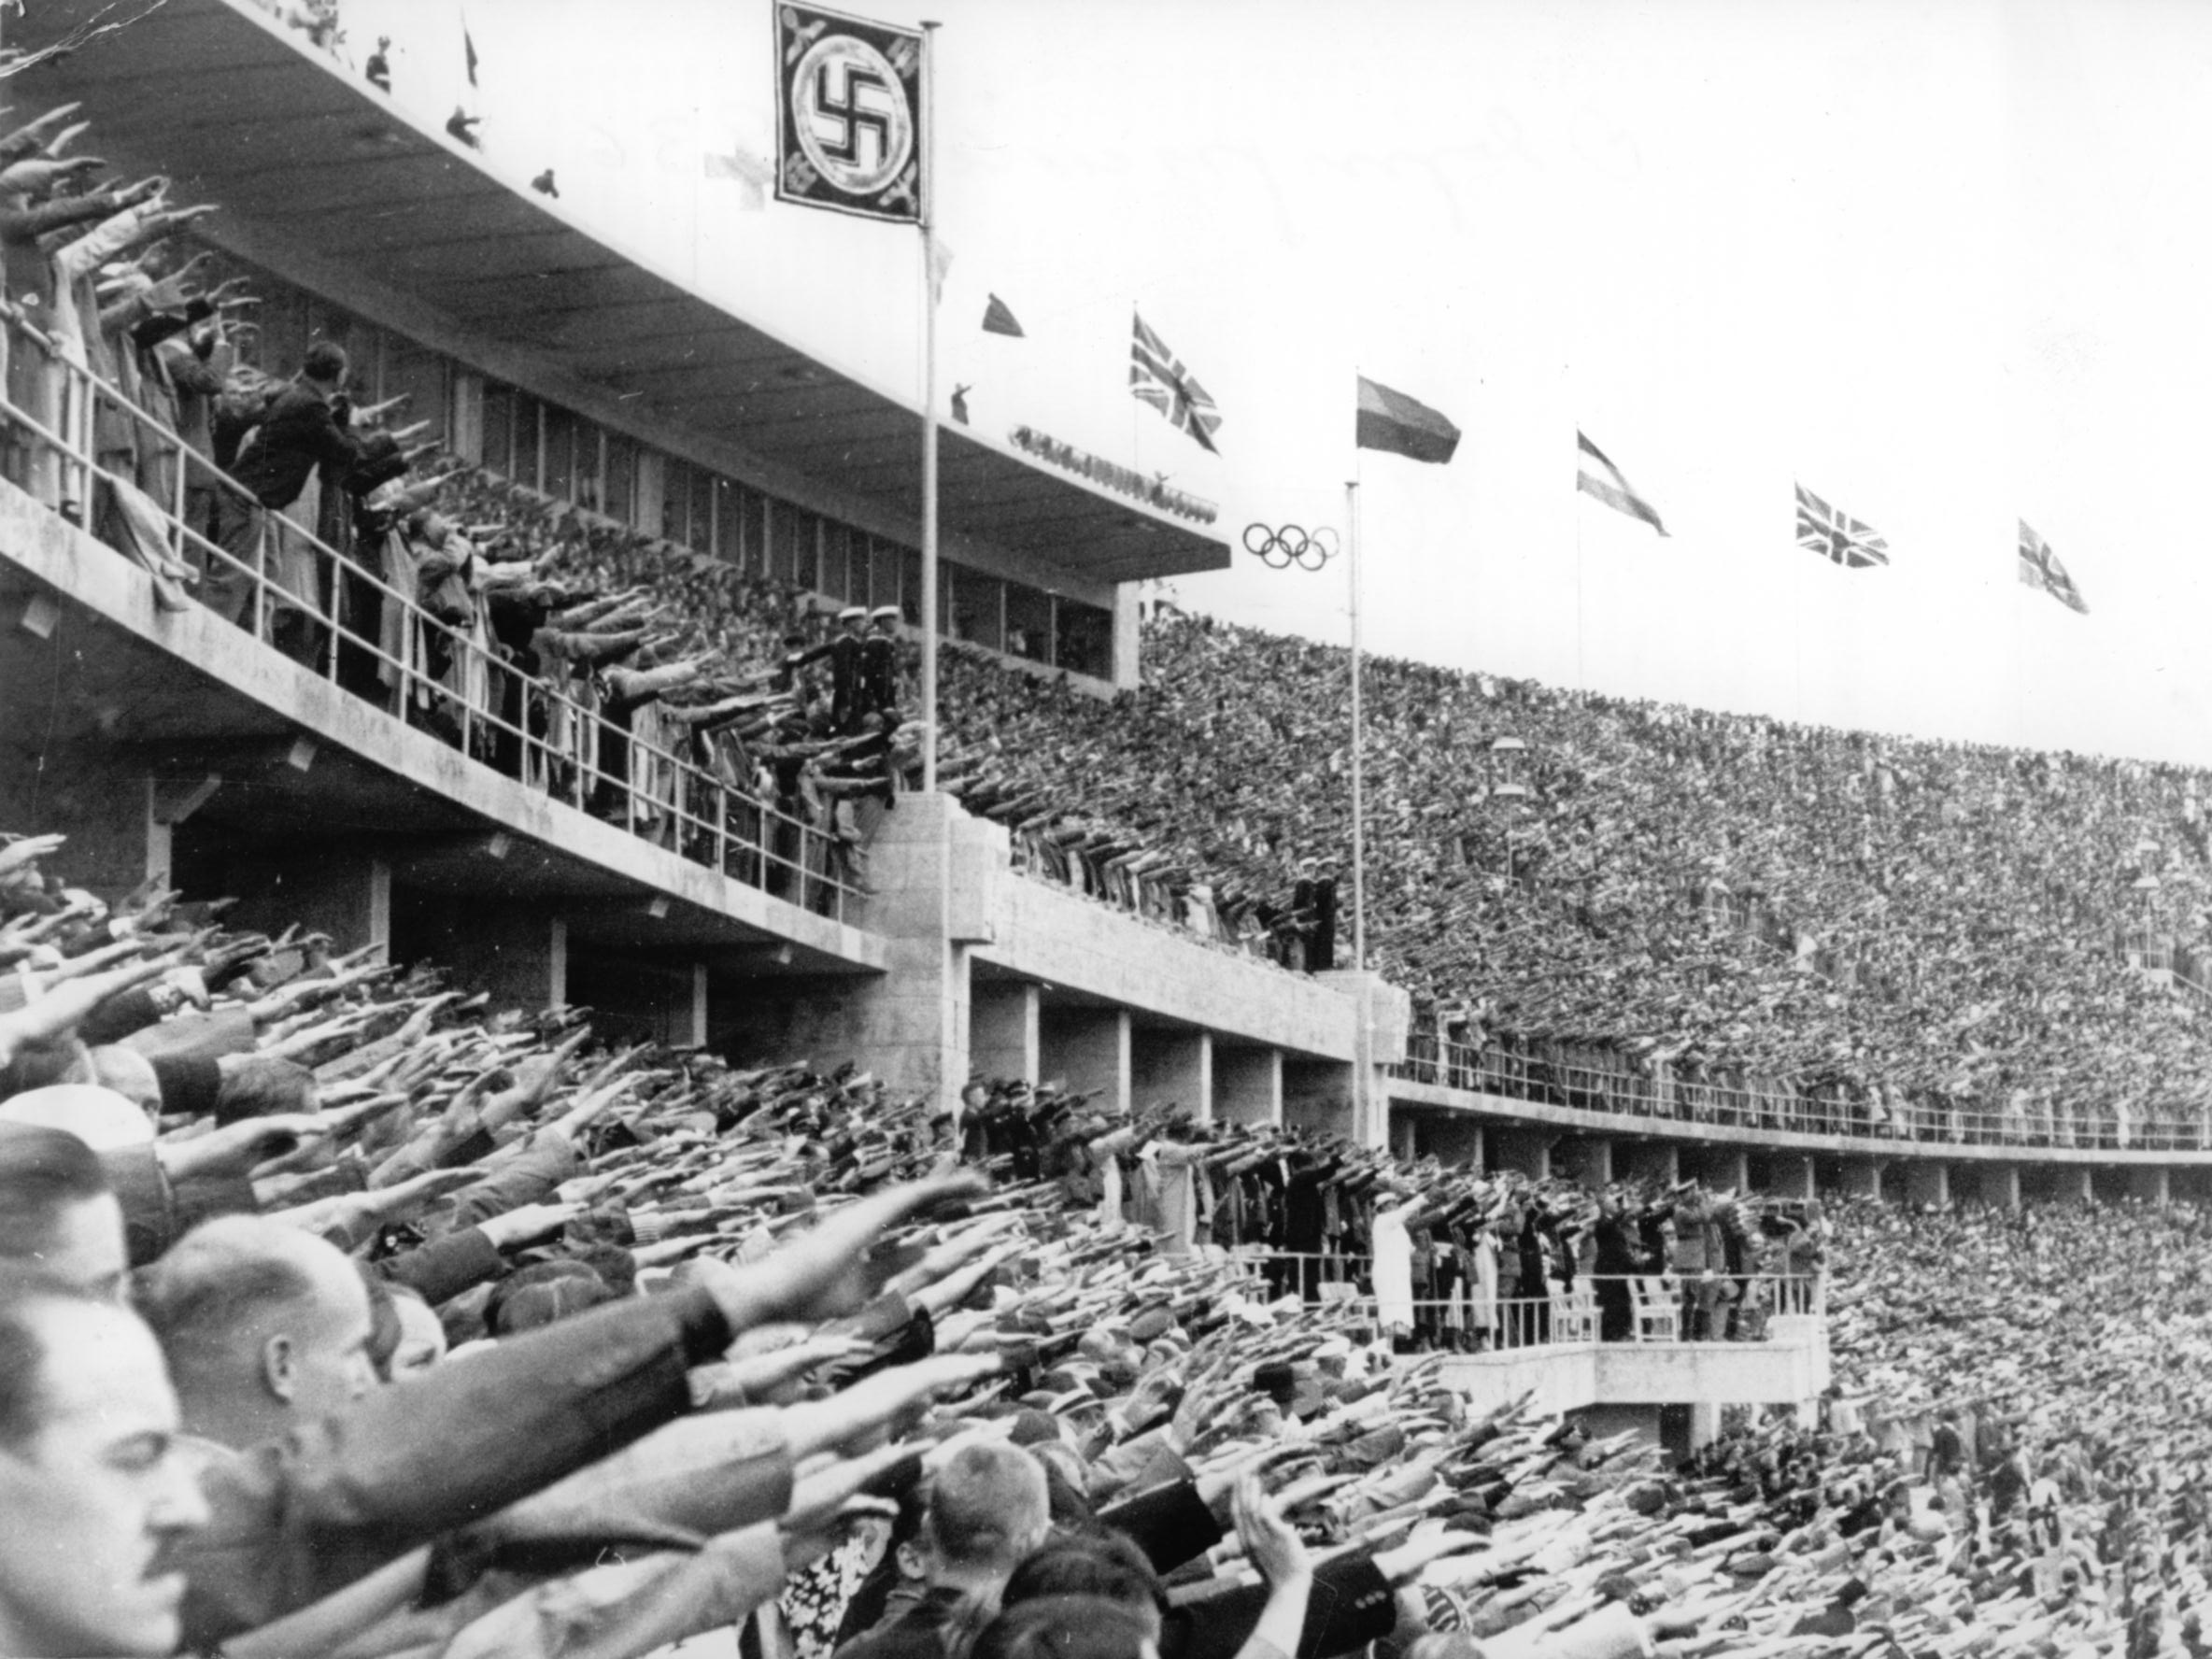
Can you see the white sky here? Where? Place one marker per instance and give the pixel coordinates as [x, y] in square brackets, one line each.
[1945, 262]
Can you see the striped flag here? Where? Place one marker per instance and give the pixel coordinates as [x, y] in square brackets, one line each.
[2039, 567]
[1838, 536]
[1601, 478]
[1157, 376]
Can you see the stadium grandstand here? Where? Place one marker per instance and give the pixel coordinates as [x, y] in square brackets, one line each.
[465, 870]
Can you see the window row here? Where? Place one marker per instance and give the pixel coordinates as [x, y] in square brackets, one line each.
[562, 455]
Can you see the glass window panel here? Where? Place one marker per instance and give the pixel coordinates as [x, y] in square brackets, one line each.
[883, 563]
[525, 440]
[499, 428]
[560, 458]
[621, 483]
[730, 510]
[675, 501]
[703, 508]
[1029, 622]
[910, 589]
[979, 610]
[1083, 639]
[837, 580]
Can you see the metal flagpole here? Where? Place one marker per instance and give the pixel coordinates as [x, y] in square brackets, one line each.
[1359, 842]
[929, 408]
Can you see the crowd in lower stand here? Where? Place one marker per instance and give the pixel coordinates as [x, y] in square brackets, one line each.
[832, 1370]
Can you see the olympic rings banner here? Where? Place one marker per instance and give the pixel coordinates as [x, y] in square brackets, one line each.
[848, 114]
[1278, 548]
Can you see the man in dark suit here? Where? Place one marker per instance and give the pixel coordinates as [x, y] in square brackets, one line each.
[846, 651]
[306, 427]
[879, 664]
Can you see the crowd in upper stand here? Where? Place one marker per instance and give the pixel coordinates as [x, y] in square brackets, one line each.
[343, 1313]
[1916, 925]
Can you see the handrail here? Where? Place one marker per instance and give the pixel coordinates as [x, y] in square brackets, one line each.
[1542, 1072]
[744, 838]
[1672, 1306]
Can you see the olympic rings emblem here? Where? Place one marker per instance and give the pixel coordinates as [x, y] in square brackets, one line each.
[1281, 548]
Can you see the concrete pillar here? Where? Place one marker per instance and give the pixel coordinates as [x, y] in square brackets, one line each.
[2148, 1183]
[1172, 1063]
[1088, 1050]
[1523, 1151]
[1705, 1424]
[1402, 1136]
[1861, 1178]
[1317, 1094]
[1586, 1161]
[698, 1025]
[1724, 1169]
[1248, 1084]
[1657, 1162]
[1927, 1183]
[1785, 1175]
[911, 1024]
[1998, 1185]
[1005, 1029]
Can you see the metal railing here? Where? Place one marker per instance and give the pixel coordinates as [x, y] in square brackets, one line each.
[93, 455]
[1639, 1308]
[1591, 1079]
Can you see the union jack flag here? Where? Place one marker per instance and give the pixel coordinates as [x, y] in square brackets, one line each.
[1157, 376]
[1838, 536]
[2039, 567]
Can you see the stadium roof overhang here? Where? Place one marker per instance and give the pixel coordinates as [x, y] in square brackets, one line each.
[241, 112]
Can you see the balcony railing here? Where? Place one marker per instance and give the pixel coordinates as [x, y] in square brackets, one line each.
[83, 449]
[1591, 1079]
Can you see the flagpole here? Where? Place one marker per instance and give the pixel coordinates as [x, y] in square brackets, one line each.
[928, 226]
[1361, 1126]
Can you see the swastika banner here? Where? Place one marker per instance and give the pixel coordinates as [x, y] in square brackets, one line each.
[848, 96]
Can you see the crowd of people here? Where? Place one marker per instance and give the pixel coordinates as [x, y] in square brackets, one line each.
[341, 1313]
[720, 716]
[1732, 915]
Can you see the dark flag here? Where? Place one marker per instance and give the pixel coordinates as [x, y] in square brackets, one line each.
[998, 320]
[848, 103]
[1157, 376]
[1838, 536]
[2039, 567]
[1390, 420]
[468, 44]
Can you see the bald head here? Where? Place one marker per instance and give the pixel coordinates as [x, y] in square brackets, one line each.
[263, 1326]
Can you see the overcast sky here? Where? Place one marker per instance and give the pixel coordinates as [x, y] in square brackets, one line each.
[1944, 263]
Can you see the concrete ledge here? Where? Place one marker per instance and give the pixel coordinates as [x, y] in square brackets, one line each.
[1072, 944]
[218, 684]
[1504, 1108]
[1788, 1369]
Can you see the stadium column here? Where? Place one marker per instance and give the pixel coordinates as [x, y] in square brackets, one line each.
[1384, 1016]
[929, 870]
[1172, 1065]
[1927, 1183]
[1247, 1084]
[1005, 1018]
